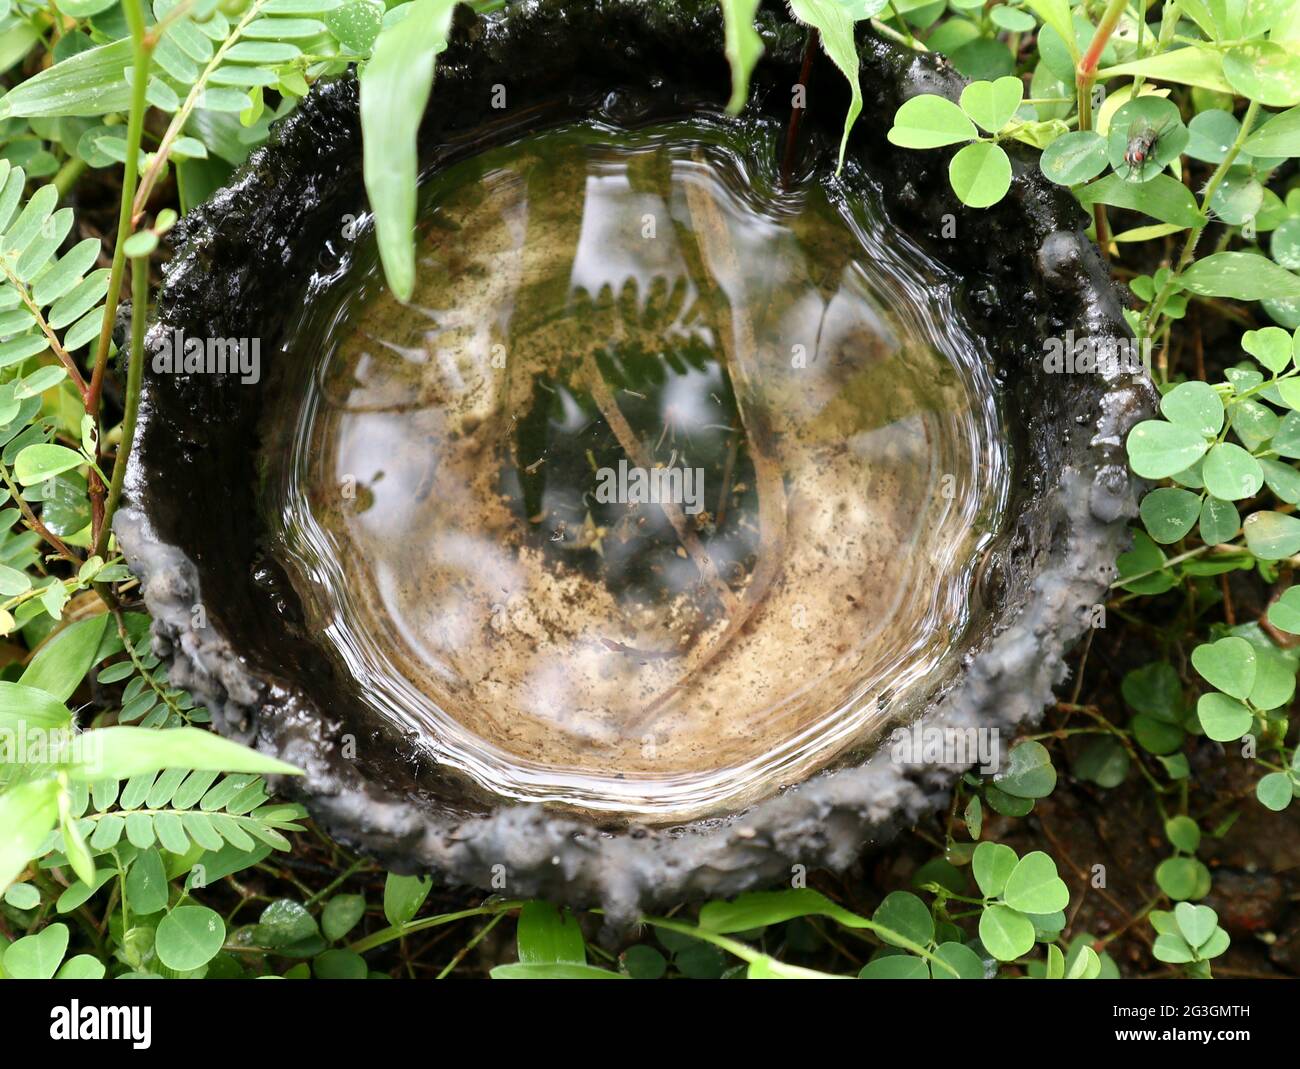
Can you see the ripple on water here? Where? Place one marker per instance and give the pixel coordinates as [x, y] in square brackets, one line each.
[455, 496]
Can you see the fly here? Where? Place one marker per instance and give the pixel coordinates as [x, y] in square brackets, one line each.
[1142, 141]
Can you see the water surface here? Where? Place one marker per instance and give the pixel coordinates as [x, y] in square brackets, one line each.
[666, 486]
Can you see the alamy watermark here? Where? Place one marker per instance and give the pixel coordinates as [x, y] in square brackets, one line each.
[38, 744]
[631, 485]
[1087, 354]
[925, 744]
[178, 355]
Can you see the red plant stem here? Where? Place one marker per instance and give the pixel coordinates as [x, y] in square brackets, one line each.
[796, 114]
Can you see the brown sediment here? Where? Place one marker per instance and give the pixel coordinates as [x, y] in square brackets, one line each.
[738, 347]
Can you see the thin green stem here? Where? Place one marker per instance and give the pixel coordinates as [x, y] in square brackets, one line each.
[397, 931]
[1189, 247]
[135, 373]
[142, 54]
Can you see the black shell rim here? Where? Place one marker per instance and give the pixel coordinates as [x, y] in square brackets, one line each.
[225, 280]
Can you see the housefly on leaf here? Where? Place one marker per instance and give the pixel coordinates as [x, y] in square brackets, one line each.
[1143, 138]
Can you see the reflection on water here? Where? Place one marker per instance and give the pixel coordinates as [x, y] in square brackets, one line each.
[662, 490]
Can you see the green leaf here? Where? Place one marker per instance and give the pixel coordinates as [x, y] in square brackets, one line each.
[1242, 276]
[1220, 521]
[906, 915]
[835, 26]
[992, 864]
[22, 896]
[1182, 878]
[1231, 473]
[37, 463]
[1184, 833]
[980, 174]
[1169, 513]
[1228, 664]
[403, 897]
[1035, 887]
[123, 752]
[189, 937]
[62, 662]
[1272, 535]
[1275, 677]
[341, 914]
[1163, 197]
[1173, 950]
[993, 104]
[1056, 14]
[1103, 761]
[1271, 346]
[1279, 137]
[743, 48]
[24, 705]
[1222, 718]
[644, 962]
[1275, 791]
[1196, 65]
[1075, 157]
[552, 971]
[340, 964]
[285, 923]
[355, 25]
[1158, 450]
[27, 813]
[1212, 135]
[40, 380]
[1264, 71]
[87, 83]
[546, 935]
[1154, 689]
[1195, 405]
[1284, 614]
[81, 967]
[1197, 923]
[895, 967]
[930, 121]
[395, 87]
[1029, 772]
[37, 957]
[1008, 805]
[963, 960]
[758, 909]
[146, 883]
[1005, 933]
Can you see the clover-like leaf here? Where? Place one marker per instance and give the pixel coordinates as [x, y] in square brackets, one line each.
[930, 121]
[1076, 157]
[1228, 664]
[1169, 513]
[1272, 535]
[1158, 449]
[1222, 718]
[1006, 933]
[1195, 405]
[1035, 887]
[993, 104]
[980, 174]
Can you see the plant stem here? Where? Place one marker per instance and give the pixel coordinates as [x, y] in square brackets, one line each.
[1086, 72]
[1084, 77]
[34, 522]
[135, 373]
[387, 935]
[140, 198]
[1189, 247]
[142, 52]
